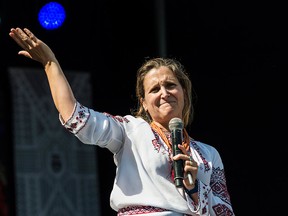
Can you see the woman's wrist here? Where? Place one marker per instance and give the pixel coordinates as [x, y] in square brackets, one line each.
[193, 190]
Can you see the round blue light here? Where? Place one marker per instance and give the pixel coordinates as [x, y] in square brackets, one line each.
[51, 15]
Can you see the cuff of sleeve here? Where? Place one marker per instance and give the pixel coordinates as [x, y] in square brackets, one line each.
[61, 118]
[77, 120]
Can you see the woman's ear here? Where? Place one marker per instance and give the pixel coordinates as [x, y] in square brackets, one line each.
[143, 104]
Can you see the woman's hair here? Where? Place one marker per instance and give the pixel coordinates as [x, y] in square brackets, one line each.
[180, 73]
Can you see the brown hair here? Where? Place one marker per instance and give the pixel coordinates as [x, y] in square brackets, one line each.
[180, 73]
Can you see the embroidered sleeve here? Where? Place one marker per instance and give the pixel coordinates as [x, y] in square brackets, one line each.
[96, 128]
[213, 196]
[77, 120]
[221, 203]
[219, 199]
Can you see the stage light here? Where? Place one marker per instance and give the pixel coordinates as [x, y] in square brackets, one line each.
[52, 15]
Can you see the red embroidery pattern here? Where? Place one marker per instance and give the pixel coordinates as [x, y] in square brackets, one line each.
[206, 165]
[156, 143]
[157, 146]
[81, 117]
[218, 184]
[134, 210]
[117, 118]
[222, 210]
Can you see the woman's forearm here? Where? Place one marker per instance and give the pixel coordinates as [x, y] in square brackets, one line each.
[61, 91]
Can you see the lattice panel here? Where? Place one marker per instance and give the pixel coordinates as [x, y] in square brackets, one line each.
[56, 175]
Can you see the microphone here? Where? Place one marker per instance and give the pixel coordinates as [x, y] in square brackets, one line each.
[176, 128]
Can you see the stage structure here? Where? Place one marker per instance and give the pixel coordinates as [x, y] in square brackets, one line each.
[55, 174]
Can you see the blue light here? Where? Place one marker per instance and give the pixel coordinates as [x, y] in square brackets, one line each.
[51, 15]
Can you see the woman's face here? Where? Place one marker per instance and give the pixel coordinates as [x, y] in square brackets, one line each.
[164, 96]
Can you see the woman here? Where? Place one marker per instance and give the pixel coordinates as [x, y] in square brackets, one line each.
[141, 143]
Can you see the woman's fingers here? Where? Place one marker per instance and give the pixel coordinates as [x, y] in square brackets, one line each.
[25, 39]
[17, 38]
[32, 37]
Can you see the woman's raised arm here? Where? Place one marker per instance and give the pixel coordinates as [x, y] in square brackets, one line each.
[37, 50]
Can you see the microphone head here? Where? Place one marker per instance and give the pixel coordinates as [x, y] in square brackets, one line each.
[176, 123]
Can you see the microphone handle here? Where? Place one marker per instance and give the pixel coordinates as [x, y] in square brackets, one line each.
[177, 164]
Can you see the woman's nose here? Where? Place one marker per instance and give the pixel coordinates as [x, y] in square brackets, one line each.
[164, 93]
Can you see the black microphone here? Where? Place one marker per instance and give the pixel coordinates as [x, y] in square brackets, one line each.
[176, 128]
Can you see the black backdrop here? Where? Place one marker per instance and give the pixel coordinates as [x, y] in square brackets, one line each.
[235, 53]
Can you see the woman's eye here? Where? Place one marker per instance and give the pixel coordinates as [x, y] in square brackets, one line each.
[170, 85]
[155, 90]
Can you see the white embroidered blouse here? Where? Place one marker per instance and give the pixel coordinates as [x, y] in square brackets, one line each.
[143, 184]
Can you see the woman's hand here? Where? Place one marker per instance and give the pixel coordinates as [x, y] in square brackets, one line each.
[190, 168]
[32, 47]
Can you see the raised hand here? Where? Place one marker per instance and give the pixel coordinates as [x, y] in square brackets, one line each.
[32, 47]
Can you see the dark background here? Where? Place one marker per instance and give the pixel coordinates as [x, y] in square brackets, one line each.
[235, 53]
